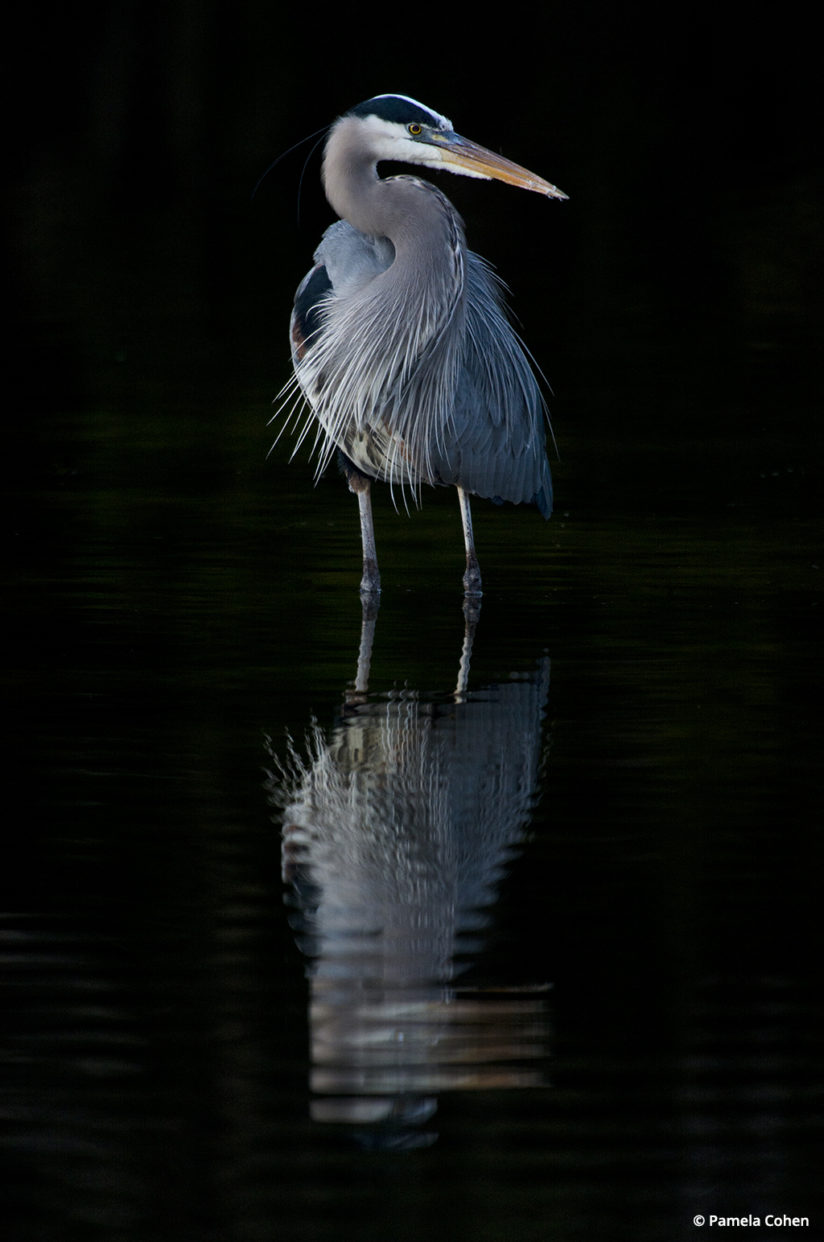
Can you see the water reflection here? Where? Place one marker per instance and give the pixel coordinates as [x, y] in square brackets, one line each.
[397, 830]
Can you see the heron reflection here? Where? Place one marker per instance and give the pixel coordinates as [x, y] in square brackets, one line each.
[398, 826]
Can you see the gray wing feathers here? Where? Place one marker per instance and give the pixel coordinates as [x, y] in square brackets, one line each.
[498, 446]
[484, 426]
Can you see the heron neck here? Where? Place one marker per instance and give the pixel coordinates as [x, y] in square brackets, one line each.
[413, 215]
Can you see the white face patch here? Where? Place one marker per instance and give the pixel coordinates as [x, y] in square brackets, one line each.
[388, 140]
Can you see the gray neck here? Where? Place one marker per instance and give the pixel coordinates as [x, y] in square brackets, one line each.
[417, 218]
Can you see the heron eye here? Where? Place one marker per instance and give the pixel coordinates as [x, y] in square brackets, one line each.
[414, 129]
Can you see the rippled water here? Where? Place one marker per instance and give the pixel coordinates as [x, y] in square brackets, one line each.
[487, 930]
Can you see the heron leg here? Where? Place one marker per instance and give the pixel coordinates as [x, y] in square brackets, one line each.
[361, 485]
[371, 580]
[472, 577]
[370, 603]
[472, 613]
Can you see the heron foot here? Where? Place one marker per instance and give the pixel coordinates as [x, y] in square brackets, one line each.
[472, 579]
[371, 580]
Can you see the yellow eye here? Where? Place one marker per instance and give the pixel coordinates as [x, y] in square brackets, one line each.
[414, 129]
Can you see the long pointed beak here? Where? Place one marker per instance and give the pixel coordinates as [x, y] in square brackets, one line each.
[464, 156]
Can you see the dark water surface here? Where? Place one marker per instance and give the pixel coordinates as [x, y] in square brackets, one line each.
[410, 925]
[513, 951]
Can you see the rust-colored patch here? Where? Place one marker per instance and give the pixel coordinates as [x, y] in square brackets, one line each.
[298, 342]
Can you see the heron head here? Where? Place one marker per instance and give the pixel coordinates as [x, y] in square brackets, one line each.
[395, 127]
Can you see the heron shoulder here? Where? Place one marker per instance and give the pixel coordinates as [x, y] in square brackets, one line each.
[351, 258]
[345, 261]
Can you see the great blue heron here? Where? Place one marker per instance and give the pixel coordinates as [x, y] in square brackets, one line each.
[400, 341]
